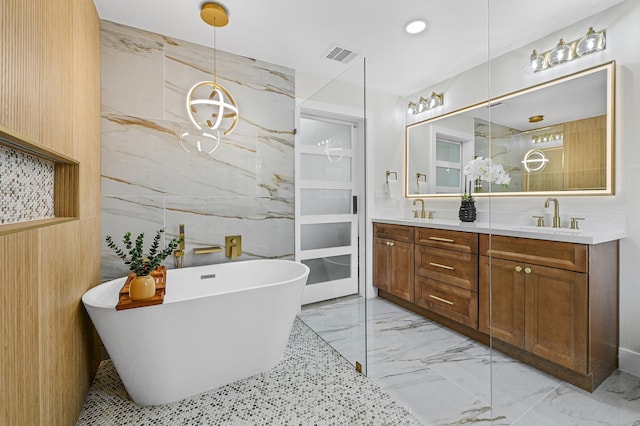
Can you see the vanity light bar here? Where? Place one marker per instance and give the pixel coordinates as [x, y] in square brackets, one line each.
[424, 104]
[591, 42]
[547, 137]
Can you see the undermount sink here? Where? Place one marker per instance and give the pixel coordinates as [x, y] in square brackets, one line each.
[433, 221]
[549, 230]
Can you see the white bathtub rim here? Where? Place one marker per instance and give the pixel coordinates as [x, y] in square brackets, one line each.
[89, 298]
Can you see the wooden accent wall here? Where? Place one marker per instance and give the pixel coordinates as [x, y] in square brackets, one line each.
[585, 153]
[50, 93]
[551, 177]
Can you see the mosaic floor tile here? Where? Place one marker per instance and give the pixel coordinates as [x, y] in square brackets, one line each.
[312, 385]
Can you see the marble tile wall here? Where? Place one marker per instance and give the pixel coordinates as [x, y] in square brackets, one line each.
[26, 187]
[149, 181]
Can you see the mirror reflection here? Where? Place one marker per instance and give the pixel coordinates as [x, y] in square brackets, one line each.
[551, 138]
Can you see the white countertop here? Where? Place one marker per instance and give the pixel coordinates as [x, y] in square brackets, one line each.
[602, 233]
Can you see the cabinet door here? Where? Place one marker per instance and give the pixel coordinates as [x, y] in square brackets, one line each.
[402, 279]
[393, 267]
[556, 316]
[502, 299]
[381, 264]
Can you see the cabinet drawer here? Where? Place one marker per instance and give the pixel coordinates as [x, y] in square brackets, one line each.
[452, 267]
[449, 301]
[466, 242]
[555, 254]
[393, 232]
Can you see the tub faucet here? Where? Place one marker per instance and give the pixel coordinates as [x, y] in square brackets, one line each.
[179, 253]
[423, 214]
[556, 211]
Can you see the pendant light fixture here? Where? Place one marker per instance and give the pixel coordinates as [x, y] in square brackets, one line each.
[210, 107]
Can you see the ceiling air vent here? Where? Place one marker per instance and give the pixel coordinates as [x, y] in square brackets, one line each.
[341, 54]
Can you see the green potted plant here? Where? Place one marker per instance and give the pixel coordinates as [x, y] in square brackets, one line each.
[143, 285]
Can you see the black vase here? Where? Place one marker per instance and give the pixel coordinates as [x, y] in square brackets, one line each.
[467, 211]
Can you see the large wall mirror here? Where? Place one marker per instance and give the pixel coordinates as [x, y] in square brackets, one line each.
[555, 138]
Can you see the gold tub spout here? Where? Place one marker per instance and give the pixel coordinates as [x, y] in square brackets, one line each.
[207, 250]
[179, 253]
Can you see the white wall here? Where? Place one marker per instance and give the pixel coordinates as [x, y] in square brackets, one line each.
[506, 74]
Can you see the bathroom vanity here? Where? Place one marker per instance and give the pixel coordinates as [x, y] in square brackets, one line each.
[547, 297]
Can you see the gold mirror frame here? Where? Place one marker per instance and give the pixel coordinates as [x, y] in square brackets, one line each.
[609, 171]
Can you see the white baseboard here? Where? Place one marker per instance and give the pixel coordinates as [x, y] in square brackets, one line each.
[629, 361]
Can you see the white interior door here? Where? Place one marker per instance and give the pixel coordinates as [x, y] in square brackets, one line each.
[326, 207]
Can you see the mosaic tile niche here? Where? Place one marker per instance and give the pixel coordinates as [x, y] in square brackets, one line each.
[26, 187]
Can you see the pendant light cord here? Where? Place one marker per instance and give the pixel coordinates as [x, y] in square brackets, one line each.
[214, 52]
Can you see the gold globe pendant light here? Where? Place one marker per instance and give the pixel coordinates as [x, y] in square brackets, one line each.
[210, 106]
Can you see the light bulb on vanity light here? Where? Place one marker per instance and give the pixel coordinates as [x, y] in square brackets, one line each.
[559, 54]
[536, 61]
[591, 42]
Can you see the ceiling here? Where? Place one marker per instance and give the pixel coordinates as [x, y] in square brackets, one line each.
[299, 33]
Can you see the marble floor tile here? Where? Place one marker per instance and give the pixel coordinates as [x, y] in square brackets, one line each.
[434, 400]
[615, 402]
[341, 325]
[493, 377]
[443, 377]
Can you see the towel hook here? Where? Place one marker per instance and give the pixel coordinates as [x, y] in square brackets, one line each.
[388, 173]
[418, 176]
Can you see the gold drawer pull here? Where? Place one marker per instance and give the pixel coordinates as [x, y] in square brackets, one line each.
[527, 270]
[438, 265]
[448, 302]
[390, 243]
[518, 268]
[446, 240]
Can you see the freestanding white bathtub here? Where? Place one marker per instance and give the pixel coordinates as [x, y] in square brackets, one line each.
[218, 324]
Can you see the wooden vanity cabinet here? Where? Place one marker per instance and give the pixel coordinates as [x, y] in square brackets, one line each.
[393, 260]
[540, 309]
[551, 304]
[544, 298]
[447, 274]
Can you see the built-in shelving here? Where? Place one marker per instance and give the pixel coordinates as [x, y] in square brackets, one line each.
[65, 188]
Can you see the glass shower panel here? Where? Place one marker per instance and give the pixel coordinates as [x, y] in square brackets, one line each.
[331, 210]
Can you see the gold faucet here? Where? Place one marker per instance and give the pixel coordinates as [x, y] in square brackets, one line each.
[423, 214]
[556, 211]
[179, 253]
[233, 246]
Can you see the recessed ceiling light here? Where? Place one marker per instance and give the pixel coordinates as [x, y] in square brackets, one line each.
[415, 27]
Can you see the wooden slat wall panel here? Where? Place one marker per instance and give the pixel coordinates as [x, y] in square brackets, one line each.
[66, 190]
[56, 103]
[585, 153]
[19, 366]
[20, 78]
[66, 338]
[50, 93]
[87, 107]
